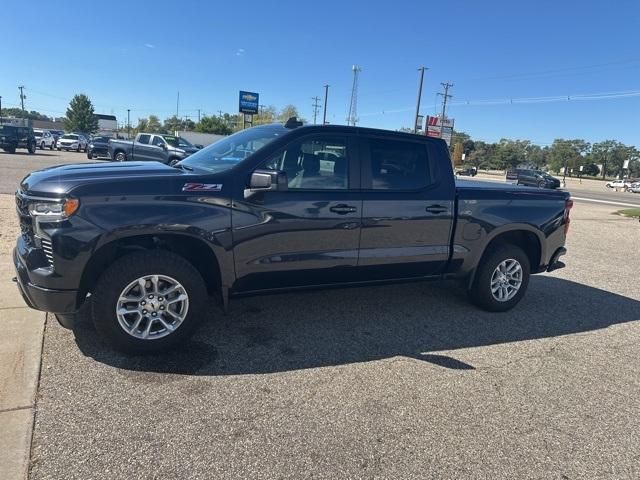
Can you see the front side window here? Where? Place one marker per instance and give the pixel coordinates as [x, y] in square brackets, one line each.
[398, 165]
[158, 141]
[319, 163]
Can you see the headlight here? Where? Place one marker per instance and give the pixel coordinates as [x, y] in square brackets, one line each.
[55, 210]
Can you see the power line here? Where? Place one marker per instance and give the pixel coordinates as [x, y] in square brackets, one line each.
[524, 101]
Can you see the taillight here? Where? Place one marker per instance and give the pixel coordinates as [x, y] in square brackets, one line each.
[568, 205]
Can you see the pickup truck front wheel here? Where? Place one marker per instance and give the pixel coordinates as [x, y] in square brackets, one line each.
[502, 279]
[148, 302]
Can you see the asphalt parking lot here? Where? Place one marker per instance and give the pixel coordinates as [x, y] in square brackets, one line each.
[404, 381]
[16, 166]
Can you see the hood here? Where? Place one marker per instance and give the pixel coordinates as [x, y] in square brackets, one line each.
[57, 181]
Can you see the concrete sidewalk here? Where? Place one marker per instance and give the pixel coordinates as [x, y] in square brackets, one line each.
[20, 355]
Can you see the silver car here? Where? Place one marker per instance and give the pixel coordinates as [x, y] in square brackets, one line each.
[72, 141]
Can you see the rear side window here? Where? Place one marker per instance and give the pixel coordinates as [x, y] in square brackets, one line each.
[398, 165]
[144, 139]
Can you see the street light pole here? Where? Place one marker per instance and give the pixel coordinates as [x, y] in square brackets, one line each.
[326, 95]
[415, 120]
[128, 123]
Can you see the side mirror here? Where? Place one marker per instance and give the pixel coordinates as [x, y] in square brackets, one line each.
[266, 181]
[163, 146]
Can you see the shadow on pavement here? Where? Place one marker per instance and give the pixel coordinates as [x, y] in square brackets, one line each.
[336, 327]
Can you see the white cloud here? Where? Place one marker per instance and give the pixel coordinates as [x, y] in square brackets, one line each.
[240, 52]
[149, 45]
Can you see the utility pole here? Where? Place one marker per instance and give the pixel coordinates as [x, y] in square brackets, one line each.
[316, 107]
[326, 95]
[415, 120]
[198, 115]
[445, 98]
[0, 108]
[178, 105]
[220, 113]
[22, 97]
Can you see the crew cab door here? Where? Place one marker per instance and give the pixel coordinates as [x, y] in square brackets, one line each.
[140, 147]
[408, 208]
[309, 233]
[158, 149]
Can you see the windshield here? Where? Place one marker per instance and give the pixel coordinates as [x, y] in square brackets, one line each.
[70, 137]
[177, 142]
[37, 134]
[226, 153]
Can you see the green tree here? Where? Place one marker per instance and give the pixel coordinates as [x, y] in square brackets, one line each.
[213, 124]
[267, 114]
[567, 153]
[287, 112]
[80, 115]
[611, 154]
[17, 112]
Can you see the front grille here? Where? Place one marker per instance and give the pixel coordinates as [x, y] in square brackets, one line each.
[48, 251]
[26, 222]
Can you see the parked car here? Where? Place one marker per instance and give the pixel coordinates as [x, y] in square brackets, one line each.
[467, 172]
[624, 184]
[98, 147]
[146, 243]
[72, 141]
[13, 137]
[532, 178]
[634, 187]
[167, 149]
[44, 139]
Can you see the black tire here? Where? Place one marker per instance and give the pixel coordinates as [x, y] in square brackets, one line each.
[51, 147]
[173, 161]
[31, 148]
[42, 146]
[480, 292]
[120, 157]
[89, 156]
[78, 149]
[131, 267]
[10, 149]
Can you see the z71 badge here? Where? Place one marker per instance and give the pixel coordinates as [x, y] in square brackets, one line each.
[202, 187]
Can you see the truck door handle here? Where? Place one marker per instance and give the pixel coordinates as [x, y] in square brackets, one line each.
[436, 209]
[343, 209]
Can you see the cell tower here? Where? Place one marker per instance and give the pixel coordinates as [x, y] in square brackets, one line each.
[352, 119]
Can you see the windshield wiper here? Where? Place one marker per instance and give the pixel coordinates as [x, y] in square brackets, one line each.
[183, 167]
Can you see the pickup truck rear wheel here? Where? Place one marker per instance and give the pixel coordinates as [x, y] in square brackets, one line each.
[148, 302]
[502, 279]
[120, 157]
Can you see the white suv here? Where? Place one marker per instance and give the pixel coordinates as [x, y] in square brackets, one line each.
[44, 139]
[72, 141]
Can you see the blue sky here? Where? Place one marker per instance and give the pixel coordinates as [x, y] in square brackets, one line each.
[132, 55]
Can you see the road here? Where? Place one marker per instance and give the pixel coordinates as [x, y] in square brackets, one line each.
[593, 191]
[16, 166]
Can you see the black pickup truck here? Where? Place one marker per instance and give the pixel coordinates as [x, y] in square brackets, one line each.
[271, 208]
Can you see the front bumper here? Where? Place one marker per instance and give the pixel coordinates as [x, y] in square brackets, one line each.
[39, 298]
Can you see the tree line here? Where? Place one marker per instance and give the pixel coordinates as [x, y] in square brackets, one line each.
[606, 158]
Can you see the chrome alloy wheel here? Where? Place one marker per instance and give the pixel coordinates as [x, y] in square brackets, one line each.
[506, 280]
[152, 307]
